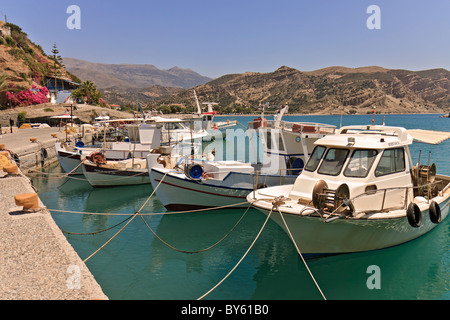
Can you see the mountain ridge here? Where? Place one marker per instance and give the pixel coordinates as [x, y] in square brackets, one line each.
[328, 90]
[128, 75]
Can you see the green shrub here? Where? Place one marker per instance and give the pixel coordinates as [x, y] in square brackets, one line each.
[10, 41]
[48, 110]
[22, 116]
[2, 41]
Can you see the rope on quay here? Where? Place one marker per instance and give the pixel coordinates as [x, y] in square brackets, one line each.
[242, 258]
[132, 218]
[275, 204]
[202, 250]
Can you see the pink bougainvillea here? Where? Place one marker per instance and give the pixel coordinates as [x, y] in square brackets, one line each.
[28, 97]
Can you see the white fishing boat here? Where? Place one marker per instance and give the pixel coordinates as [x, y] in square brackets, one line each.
[115, 173]
[142, 139]
[358, 192]
[206, 183]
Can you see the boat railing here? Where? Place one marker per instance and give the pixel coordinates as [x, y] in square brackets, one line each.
[297, 127]
[390, 196]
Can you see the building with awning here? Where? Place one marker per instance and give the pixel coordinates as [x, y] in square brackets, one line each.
[60, 83]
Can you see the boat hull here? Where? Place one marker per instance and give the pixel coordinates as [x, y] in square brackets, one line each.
[100, 177]
[315, 237]
[69, 161]
[177, 192]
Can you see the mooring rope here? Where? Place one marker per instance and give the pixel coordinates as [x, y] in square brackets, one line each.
[240, 260]
[202, 250]
[96, 232]
[298, 250]
[148, 213]
[132, 218]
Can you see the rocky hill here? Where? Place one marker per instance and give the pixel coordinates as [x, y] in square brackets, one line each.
[23, 64]
[329, 90]
[126, 76]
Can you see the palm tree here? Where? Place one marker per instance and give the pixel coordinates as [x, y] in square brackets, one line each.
[4, 83]
[89, 90]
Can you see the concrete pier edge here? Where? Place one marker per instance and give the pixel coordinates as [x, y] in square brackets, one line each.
[36, 260]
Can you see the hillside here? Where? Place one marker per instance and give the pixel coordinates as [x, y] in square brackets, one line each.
[126, 76]
[23, 64]
[328, 90]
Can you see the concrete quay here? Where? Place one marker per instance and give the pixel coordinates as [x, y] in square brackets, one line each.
[36, 260]
[30, 154]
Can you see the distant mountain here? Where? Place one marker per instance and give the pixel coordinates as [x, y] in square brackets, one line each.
[133, 75]
[329, 90]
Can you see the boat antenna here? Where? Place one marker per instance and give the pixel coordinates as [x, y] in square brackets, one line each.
[192, 139]
[199, 110]
[142, 111]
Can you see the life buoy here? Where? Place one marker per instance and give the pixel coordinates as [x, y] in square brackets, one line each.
[414, 215]
[435, 212]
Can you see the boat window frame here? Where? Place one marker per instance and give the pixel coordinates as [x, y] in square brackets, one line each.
[370, 165]
[318, 160]
[392, 172]
[341, 166]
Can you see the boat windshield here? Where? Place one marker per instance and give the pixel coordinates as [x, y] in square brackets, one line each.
[314, 159]
[333, 161]
[360, 163]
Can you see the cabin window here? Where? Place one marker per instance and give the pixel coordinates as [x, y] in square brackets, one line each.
[172, 126]
[315, 158]
[333, 161]
[360, 163]
[269, 140]
[280, 142]
[393, 160]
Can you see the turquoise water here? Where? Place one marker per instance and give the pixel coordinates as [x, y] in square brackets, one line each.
[137, 265]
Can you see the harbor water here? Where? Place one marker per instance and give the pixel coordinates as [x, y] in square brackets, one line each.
[136, 264]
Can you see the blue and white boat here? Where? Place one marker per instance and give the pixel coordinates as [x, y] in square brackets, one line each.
[206, 183]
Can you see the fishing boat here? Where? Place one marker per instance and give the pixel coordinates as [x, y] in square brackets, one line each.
[101, 173]
[142, 138]
[206, 183]
[358, 192]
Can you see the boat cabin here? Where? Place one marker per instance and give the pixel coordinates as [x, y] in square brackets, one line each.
[286, 145]
[357, 160]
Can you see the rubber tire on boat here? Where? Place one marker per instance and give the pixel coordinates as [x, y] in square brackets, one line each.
[414, 215]
[435, 212]
[261, 186]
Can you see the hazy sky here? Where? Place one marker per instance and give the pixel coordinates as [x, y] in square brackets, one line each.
[217, 37]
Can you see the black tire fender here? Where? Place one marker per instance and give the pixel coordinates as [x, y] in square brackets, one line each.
[414, 215]
[435, 212]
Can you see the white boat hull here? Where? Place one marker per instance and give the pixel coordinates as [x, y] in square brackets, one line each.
[315, 237]
[69, 161]
[100, 177]
[179, 193]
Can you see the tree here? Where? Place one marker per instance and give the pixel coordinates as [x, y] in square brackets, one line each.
[87, 90]
[56, 57]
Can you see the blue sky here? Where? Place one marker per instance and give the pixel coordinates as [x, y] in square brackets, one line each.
[217, 37]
